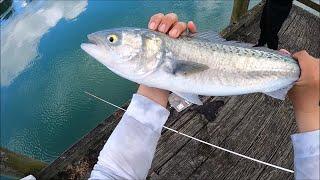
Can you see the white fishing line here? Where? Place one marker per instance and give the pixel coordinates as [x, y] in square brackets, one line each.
[105, 101]
[204, 142]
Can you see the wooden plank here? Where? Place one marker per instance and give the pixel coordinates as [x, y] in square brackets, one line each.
[311, 4]
[240, 8]
[270, 140]
[240, 140]
[192, 122]
[194, 153]
[281, 158]
[301, 32]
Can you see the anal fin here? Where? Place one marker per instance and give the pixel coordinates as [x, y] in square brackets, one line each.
[192, 98]
[280, 93]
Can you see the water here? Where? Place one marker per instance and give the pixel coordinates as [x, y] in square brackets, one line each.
[44, 73]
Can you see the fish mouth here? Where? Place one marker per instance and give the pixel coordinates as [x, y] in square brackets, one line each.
[94, 39]
[93, 46]
[88, 47]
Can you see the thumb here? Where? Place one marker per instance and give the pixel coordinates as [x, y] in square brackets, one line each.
[300, 55]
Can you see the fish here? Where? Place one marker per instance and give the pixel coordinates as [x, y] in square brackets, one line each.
[193, 64]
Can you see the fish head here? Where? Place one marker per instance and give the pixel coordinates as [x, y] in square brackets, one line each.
[127, 52]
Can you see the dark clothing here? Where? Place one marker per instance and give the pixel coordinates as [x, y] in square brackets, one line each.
[274, 14]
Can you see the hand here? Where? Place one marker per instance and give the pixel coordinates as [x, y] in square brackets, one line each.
[164, 23]
[169, 24]
[305, 94]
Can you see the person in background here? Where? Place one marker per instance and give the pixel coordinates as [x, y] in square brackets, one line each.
[129, 151]
[274, 13]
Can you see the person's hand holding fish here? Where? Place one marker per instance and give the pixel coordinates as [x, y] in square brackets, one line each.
[305, 94]
[170, 25]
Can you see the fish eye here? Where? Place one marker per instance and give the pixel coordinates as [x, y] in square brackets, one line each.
[112, 38]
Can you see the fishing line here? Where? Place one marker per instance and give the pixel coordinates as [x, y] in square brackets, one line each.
[204, 142]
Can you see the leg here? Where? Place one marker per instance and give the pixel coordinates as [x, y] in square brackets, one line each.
[277, 14]
[262, 40]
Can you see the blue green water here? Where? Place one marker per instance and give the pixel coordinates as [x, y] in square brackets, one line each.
[44, 73]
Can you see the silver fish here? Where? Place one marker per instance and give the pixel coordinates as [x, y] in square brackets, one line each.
[192, 65]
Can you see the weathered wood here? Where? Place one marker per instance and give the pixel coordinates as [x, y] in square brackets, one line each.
[281, 158]
[194, 153]
[311, 4]
[275, 132]
[255, 125]
[250, 127]
[301, 31]
[17, 165]
[240, 8]
[194, 123]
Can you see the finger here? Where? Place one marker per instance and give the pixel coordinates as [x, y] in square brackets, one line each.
[300, 55]
[192, 27]
[284, 51]
[177, 29]
[302, 58]
[155, 21]
[167, 21]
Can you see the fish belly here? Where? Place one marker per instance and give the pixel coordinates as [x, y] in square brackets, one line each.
[229, 74]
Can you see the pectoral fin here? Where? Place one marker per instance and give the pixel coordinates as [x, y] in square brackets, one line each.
[181, 67]
[193, 98]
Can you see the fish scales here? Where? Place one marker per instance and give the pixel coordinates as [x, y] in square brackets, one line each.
[240, 63]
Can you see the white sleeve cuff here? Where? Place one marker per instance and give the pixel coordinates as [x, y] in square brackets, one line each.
[306, 144]
[148, 112]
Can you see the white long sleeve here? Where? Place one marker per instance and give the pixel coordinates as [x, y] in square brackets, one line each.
[129, 150]
[306, 155]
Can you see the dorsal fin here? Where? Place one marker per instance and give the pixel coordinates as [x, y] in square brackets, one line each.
[216, 38]
[213, 36]
[210, 36]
